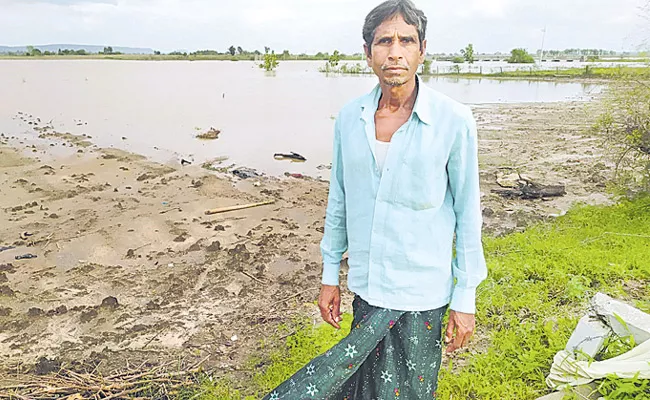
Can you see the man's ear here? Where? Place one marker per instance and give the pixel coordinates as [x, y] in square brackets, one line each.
[366, 50]
[423, 51]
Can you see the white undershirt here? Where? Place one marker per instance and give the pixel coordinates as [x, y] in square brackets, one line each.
[381, 150]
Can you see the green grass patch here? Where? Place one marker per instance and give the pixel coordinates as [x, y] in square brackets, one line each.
[539, 284]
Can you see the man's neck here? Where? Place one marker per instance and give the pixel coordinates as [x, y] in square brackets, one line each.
[394, 98]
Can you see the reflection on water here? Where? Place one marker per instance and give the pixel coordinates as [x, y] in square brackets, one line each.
[164, 104]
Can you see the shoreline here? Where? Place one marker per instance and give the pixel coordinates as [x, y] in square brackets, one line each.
[589, 74]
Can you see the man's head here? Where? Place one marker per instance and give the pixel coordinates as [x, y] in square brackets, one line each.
[394, 41]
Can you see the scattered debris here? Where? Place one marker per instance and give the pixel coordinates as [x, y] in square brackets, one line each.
[297, 176]
[292, 156]
[525, 188]
[323, 166]
[26, 256]
[245, 173]
[5, 248]
[25, 235]
[212, 134]
[239, 207]
[184, 162]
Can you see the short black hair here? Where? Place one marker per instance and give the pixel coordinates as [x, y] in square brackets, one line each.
[388, 9]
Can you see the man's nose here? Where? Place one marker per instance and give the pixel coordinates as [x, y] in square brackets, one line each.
[395, 51]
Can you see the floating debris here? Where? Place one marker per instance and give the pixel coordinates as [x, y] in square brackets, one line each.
[212, 134]
[292, 156]
[245, 173]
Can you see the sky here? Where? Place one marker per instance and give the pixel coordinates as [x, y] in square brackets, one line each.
[311, 26]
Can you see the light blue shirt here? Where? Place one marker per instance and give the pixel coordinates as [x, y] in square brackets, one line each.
[398, 225]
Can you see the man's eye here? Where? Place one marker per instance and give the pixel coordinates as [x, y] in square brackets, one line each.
[407, 40]
[384, 40]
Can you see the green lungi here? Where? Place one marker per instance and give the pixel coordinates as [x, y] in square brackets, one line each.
[388, 354]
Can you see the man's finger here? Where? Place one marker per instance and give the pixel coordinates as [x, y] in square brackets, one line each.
[336, 308]
[466, 339]
[324, 311]
[326, 314]
[449, 334]
[332, 321]
[456, 343]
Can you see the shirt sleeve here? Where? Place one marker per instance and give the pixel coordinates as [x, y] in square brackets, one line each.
[335, 238]
[468, 267]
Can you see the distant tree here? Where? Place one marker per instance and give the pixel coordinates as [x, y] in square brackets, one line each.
[426, 66]
[48, 53]
[468, 53]
[232, 50]
[257, 53]
[285, 54]
[156, 52]
[29, 51]
[458, 60]
[266, 49]
[334, 59]
[37, 52]
[81, 52]
[108, 50]
[240, 51]
[520, 56]
[270, 61]
[205, 53]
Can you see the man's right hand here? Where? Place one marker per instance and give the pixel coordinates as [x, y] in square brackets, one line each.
[329, 303]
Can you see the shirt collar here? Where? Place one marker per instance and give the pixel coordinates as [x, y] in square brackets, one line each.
[422, 107]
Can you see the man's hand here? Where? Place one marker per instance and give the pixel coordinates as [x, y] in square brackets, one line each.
[463, 325]
[329, 303]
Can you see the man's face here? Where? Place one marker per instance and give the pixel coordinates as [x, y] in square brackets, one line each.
[395, 54]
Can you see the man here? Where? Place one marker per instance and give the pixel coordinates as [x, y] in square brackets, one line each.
[404, 181]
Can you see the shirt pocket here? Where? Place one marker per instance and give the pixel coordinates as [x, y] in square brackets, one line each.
[421, 184]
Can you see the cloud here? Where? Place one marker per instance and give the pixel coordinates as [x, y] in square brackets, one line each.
[61, 2]
[318, 25]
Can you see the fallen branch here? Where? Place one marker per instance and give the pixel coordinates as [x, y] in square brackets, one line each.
[252, 277]
[74, 386]
[239, 207]
[529, 191]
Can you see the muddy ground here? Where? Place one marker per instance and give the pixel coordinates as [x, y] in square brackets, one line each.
[129, 269]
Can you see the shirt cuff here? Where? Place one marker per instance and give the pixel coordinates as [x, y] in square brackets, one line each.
[331, 274]
[463, 300]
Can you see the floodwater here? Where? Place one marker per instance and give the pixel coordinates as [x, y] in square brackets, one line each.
[157, 108]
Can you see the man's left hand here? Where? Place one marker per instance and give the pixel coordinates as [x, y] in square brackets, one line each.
[463, 326]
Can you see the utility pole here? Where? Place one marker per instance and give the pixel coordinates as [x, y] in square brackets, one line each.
[541, 52]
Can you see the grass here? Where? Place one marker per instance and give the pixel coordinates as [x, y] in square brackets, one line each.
[570, 73]
[539, 285]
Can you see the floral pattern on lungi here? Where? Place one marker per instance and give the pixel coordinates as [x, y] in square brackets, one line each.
[388, 354]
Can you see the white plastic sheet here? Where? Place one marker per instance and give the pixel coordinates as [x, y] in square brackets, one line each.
[567, 371]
